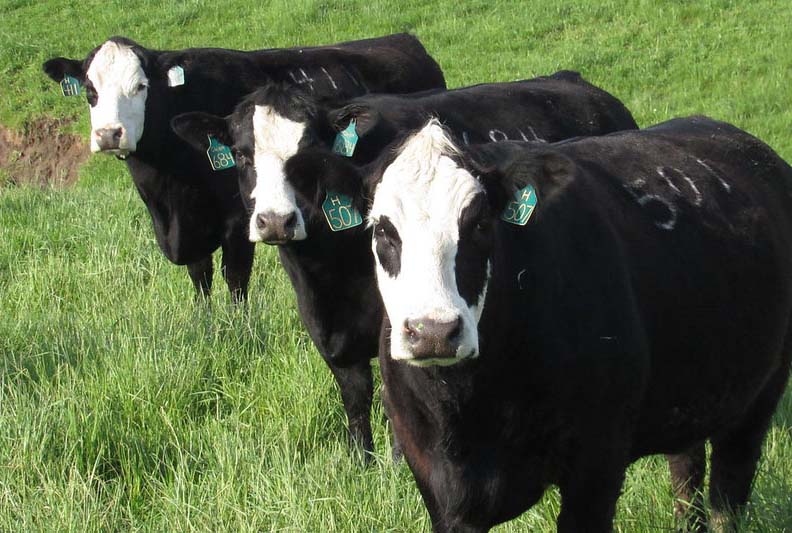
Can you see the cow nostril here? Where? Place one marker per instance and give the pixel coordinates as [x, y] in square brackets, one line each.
[410, 329]
[290, 221]
[456, 329]
[261, 221]
[117, 134]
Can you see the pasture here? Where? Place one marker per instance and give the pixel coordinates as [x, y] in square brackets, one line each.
[125, 406]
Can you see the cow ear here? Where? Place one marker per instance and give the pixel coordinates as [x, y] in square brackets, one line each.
[364, 116]
[314, 172]
[59, 67]
[196, 127]
[547, 171]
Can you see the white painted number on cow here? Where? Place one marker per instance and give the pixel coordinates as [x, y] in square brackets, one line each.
[498, 136]
[644, 199]
[329, 77]
[722, 182]
[300, 77]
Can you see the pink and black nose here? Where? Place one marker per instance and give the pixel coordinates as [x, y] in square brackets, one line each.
[109, 138]
[433, 339]
[276, 229]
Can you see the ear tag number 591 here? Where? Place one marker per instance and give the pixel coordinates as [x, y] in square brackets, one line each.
[340, 213]
[220, 156]
[519, 210]
[70, 86]
[346, 140]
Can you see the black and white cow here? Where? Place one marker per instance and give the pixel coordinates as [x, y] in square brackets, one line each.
[134, 92]
[555, 312]
[284, 140]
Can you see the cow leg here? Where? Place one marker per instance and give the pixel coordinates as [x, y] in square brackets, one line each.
[237, 264]
[592, 484]
[687, 480]
[201, 275]
[736, 453]
[357, 389]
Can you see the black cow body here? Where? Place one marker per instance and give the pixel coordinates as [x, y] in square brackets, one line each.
[333, 272]
[644, 308]
[195, 210]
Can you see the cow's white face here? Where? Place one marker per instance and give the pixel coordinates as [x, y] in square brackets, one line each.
[431, 246]
[117, 88]
[276, 217]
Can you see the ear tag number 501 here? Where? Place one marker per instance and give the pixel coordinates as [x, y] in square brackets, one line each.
[519, 210]
[340, 213]
[346, 140]
[220, 156]
[70, 86]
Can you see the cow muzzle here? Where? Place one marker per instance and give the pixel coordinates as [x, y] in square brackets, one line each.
[110, 140]
[432, 340]
[276, 229]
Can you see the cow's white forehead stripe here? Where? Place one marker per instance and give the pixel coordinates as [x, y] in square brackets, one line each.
[118, 66]
[276, 140]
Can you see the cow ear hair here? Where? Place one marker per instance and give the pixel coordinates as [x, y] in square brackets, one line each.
[549, 173]
[59, 67]
[364, 116]
[196, 127]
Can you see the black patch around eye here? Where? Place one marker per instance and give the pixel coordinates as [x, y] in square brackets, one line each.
[91, 95]
[388, 246]
[473, 249]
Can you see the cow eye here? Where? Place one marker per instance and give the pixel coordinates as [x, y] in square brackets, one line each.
[240, 159]
[141, 87]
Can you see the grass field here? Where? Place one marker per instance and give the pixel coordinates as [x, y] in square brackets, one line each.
[125, 407]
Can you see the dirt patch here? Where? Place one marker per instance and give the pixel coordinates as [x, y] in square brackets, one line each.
[41, 154]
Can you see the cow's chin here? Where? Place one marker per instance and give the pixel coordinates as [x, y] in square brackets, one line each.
[426, 362]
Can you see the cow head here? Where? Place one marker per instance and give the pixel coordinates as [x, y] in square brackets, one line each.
[265, 130]
[117, 78]
[435, 213]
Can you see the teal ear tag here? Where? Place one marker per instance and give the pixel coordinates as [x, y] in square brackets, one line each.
[220, 155]
[346, 140]
[340, 213]
[70, 86]
[519, 210]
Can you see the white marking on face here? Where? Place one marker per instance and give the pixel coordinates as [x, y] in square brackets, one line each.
[122, 88]
[276, 140]
[423, 192]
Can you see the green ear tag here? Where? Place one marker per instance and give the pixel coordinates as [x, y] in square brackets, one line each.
[70, 86]
[519, 210]
[219, 155]
[346, 140]
[340, 213]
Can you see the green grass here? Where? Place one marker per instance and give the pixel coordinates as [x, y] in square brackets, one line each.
[125, 407]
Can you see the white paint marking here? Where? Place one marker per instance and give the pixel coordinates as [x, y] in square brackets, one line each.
[498, 136]
[329, 77]
[723, 183]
